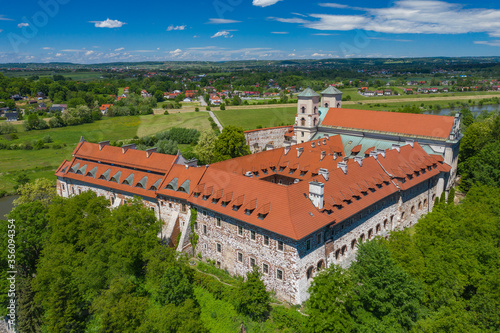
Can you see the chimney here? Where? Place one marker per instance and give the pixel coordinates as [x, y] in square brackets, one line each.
[127, 147]
[300, 150]
[381, 152]
[323, 155]
[150, 151]
[287, 148]
[343, 166]
[396, 146]
[312, 144]
[410, 142]
[359, 159]
[103, 144]
[325, 173]
[316, 193]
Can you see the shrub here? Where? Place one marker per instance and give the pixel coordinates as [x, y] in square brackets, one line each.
[196, 109]
[166, 112]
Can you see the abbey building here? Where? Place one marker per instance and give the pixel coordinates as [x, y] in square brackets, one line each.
[337, 178]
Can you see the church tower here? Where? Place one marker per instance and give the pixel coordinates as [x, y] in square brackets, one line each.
[307, 118]
[331, 97]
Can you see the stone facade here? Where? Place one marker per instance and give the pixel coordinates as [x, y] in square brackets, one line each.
[260, 139]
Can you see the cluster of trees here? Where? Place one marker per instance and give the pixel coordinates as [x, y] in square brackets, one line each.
[73, 116]
[440, 276]
[479, 158]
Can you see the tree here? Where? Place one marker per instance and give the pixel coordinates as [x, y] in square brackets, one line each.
[205, 149]
[20, 180]
[41, 190]
[451, 196]
[330, 292]
[176, 286]
[231, 143]
[251, 297]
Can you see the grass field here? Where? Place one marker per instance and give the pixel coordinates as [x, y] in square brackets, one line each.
[251, 119]
[42, 163]
[76, 76]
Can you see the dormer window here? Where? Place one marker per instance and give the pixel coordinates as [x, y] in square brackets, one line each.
[205, 197]
[281, 169]
[236, 207]
[214, 200]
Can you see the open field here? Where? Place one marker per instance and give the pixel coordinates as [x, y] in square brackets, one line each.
[76, 76]
[42, 163]
[252, 118]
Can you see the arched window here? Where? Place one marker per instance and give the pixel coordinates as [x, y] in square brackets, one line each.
[377, 228]
[344, 250]
[353, 244]
[309, 273]
[385, 224]
[315, 121]
[326, 105]
[338, 105]
[370, 234]
[321, 265]
[412, 210]
[402, 215]
[337, 254]
[425, 202]
[303, 109]
[420, 205]
[302, 122]
[362, 238]
[315, 109]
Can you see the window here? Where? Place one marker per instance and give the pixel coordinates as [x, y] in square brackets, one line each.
[112, 200]
[370, 233]
[353, 244]
[183, 208]
[308, 244]
[402, 215]
[204, 213]
[318, 238]
[79, 191]
[362, 238]
[204, 229]
[280, 246]
[266, 240]
[385, 224]
[309, 272]
[252, 235]
[337, 254]
[265, 268]
[63, 186]
[344, 250]
[413, 209]
[218, 222]
[240, 230]
[219, 247]
[279, 274]
[377, 228]
[240, 257]
[169, 205]
[420, 205]
[196, 226]
[218, 264]
[252, 262]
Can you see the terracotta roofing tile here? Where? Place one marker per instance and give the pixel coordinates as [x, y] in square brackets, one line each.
[264, 209]
[239, 200]
[251, 205]
[218, 194]
[208, 191]
[420, 125]
[369, 150]
[356, 149]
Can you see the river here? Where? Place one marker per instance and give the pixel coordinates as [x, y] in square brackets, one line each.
[474, 109]
[6, 205]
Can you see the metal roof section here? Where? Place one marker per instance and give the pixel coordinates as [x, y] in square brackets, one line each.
[129, 180]
[106, 174]
[143, 182]
[173, 184]
[157, 183]
[331, 91]
[74, 168]
[116, 177]
[308, 92]
[82, 170]
[92, 172]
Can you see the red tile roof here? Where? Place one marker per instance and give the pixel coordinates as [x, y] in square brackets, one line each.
[420, 125]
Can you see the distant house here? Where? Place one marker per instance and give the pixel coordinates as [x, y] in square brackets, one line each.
[408, 91]
[424, 90]
[433, 90]
[494, 88]
[369, 93]
[191, 93]
[125, 90]
[16, 97]
[40, 95]
[445, 90]
[58, 108]
[387, 92]
[187, 99]
[105, 107]
[11, 116]
[215, 100]
[379, 93]
[32, 102]
[144, 93]
[42, 106]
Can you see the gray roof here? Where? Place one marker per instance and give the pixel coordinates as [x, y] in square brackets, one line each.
[156, 184]
[92, 172]
[75, 167]
[117, 176]
[82, 169]
[129, 179]
[143, 182]
[308, 93]
[106, 173]
[185, 185]
[331, 91]
[173, 184]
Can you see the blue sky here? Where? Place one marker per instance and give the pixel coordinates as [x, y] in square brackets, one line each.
[106, 31]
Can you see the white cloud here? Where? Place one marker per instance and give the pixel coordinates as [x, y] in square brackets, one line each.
[88, 53]
[318, 55]
[108, 24]
[23, 24]
[495, 42]
[298, 14]
[280, 32]
[47, 48]
[391, 39]
[119, 49]
[291, 55]
[2, 18]
[324, 34]
[59, 54]
[196, 36]
[289, 20]
[223, 33]
[333, 5]
[176, 52]
[176, 27]
[221, 21]
[264, 3]
[410, 16]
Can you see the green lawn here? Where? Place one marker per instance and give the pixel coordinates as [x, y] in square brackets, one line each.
[250, 119]
[43, 163]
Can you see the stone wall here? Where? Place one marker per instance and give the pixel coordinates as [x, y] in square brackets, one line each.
[259, 138]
